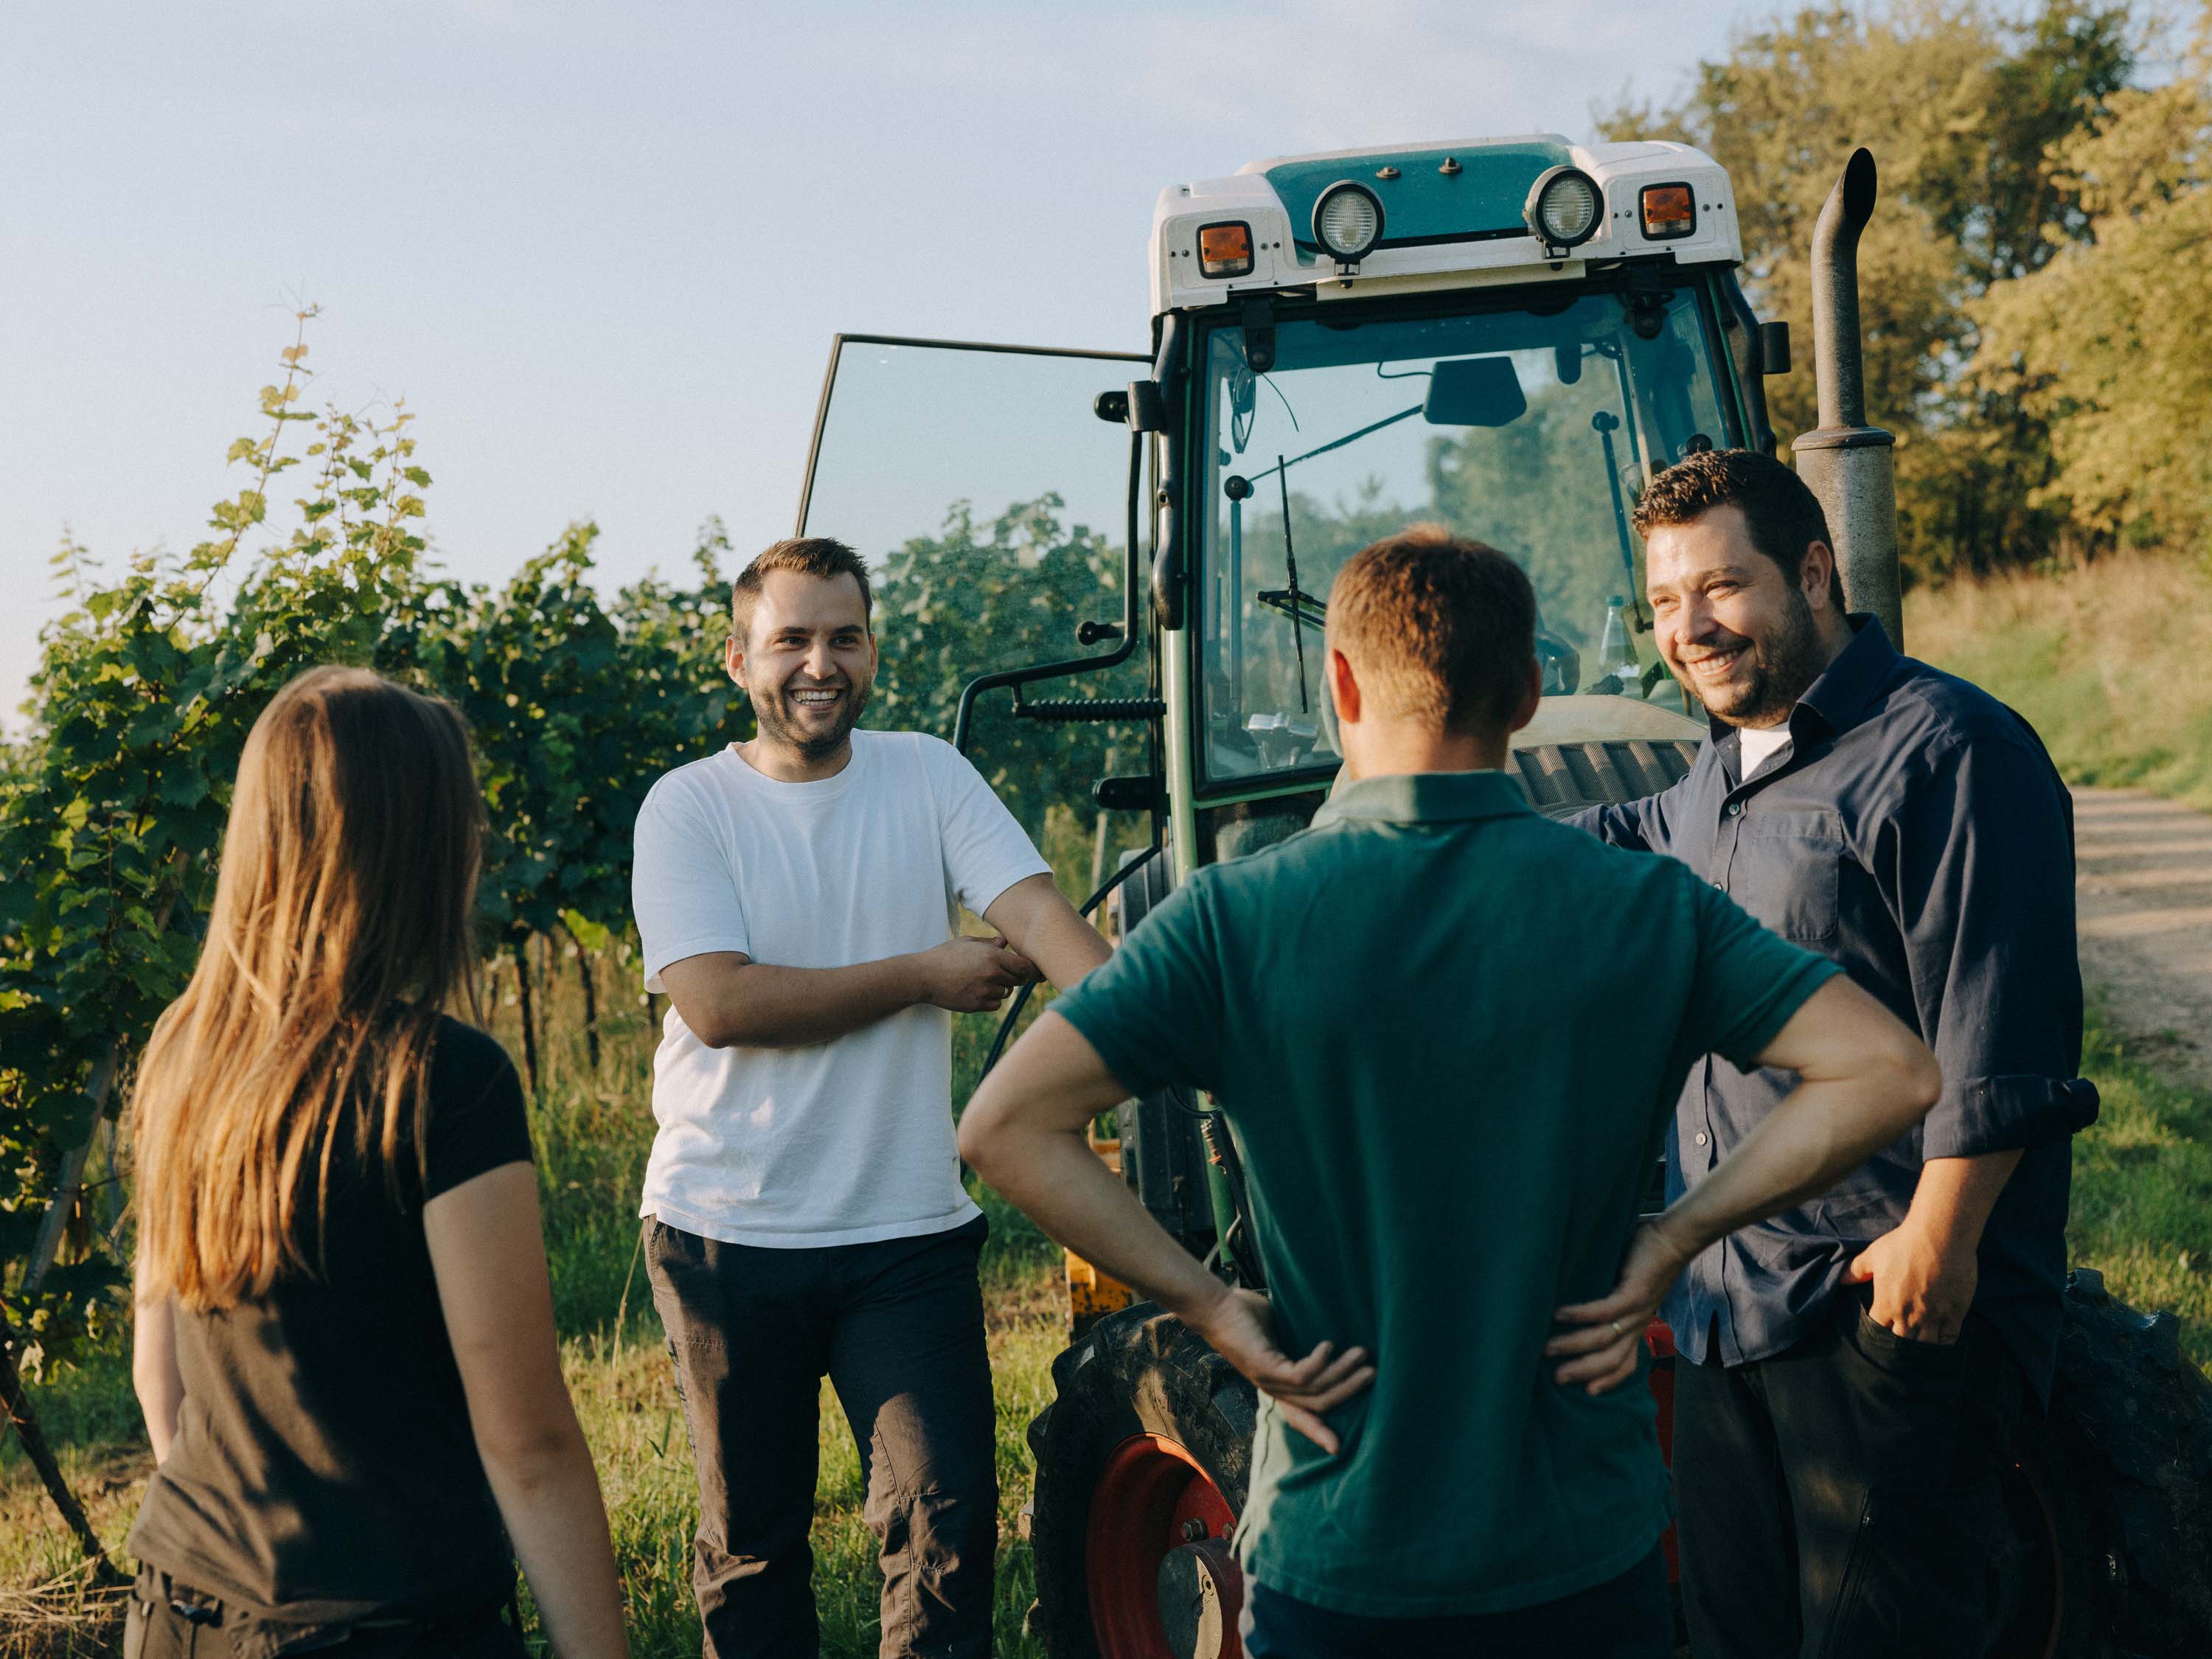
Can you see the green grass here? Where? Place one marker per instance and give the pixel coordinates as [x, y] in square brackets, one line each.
[2111, 663]
[2142, 1190]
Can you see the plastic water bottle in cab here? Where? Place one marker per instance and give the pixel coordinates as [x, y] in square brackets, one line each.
[1616, 657]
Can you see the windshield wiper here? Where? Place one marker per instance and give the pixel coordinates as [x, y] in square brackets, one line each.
[1605, 424]
[1301, 608]
[1338, 443]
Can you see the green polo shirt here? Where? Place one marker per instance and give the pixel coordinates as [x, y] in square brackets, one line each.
[1448, 1035]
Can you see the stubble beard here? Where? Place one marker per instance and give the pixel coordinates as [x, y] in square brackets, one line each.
[776, 725]
[1784, 667]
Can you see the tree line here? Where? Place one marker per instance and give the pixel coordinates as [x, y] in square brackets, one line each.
[2037, 283]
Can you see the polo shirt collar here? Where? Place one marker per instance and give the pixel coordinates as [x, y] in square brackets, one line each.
[1423, 798]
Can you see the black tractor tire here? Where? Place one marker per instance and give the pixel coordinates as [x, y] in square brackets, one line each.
[1139, 1371]
[2122, 1467]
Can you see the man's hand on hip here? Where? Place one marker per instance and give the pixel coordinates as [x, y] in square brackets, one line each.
[1605, 1343]
[1923, 1285]
[973, 975]
[1239, 1326]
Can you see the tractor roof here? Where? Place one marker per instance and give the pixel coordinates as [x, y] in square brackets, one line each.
[1453, 216]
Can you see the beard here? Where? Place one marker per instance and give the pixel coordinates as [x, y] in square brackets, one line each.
[782, 723]
[1784, 665]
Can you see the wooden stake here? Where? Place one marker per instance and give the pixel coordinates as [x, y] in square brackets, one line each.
[48, 1244]
[529, 1014]
[17, 1405]
[591, 1007]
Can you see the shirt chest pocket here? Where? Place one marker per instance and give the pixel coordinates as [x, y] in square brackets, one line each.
[1785, 870]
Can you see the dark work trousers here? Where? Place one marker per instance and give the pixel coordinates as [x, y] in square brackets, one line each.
[897, 1327]
[1842, 1498]
[1624, 1618]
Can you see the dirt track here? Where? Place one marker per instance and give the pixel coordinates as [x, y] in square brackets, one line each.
[2143, 885]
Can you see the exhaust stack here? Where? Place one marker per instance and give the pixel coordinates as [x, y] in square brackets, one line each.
[1847, 462]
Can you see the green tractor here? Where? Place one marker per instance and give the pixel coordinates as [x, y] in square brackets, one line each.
[1508, 336]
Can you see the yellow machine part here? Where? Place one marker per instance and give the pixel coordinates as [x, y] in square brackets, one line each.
[1092, 1294]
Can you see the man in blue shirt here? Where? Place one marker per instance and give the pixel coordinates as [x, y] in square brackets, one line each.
[1854, 1367]
[1446, 1102]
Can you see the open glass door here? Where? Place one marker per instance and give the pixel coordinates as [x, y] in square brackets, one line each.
[992, 506]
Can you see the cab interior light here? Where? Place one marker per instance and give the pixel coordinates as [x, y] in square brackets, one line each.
[1668, 210]
[1225, 249]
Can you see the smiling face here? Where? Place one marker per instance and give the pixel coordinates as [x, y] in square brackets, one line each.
[808, 663]
[1741, 633]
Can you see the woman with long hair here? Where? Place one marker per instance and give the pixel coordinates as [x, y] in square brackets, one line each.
[345, 1345]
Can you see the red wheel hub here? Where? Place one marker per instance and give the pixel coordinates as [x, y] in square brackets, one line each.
[1660, 1339]
[1152, 1499]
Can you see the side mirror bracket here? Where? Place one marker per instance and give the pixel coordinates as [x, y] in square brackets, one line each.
[1774, 348]
[1147, 406]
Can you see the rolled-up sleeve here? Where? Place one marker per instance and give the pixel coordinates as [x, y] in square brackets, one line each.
[1984, 890]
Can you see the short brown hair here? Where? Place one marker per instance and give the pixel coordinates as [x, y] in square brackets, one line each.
[1782, 513]
[810, 556]
[1438, 627]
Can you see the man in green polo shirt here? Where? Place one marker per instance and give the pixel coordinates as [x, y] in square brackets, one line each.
[1448, 1035]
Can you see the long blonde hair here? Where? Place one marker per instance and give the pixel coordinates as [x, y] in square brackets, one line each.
[341, 931]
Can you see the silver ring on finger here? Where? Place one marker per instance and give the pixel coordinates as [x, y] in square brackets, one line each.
[1616, 1331]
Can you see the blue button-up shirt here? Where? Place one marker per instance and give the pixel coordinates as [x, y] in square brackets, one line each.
[1914, 831]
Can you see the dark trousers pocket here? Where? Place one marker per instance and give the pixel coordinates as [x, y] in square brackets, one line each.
[1920, 1579]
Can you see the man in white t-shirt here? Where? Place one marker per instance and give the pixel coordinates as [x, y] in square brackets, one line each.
[798, 897]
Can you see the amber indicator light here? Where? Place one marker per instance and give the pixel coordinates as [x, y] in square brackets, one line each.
[1668, 210]
[1225, 250]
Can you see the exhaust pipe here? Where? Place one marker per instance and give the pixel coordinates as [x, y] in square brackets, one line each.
[1847, 462]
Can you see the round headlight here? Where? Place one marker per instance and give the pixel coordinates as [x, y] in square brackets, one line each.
[1564, 208]
[1348, 220]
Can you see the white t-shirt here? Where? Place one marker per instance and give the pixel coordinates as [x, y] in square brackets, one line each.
[851, 1140]
[1761, 744]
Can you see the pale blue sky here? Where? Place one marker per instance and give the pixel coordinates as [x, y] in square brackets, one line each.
[601, 250]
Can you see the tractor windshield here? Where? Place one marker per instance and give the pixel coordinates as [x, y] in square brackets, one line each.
[1533, 428]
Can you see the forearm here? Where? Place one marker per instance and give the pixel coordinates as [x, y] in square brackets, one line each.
[1040, 924]
[760, 1006]
[548, 1496]
[1820, 1132]
[1064, 947]
[1955, 1195]
[1054, 1177]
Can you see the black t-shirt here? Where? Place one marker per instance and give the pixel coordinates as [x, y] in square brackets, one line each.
[323, 1468]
